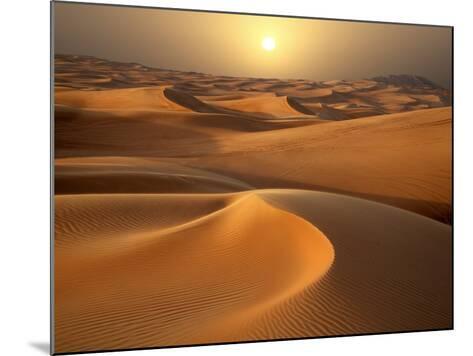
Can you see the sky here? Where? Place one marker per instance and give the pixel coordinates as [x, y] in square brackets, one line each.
[231, 44]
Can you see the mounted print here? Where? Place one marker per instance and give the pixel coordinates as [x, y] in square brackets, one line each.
[225, 178]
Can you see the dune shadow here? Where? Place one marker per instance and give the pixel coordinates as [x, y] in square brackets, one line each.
[80, 132]
[435, 210]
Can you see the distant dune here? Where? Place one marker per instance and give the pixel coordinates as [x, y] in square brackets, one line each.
[359, 98]
[192, 208]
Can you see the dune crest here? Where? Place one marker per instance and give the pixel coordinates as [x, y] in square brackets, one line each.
[281, 252]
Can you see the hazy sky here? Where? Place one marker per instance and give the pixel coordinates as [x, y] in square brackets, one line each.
[228, 44]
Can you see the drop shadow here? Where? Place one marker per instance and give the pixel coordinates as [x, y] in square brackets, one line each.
[41, 346]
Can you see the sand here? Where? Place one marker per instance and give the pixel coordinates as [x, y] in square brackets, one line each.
[192, 208]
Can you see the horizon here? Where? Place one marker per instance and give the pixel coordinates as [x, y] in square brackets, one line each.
[231, 44]
[388, 75]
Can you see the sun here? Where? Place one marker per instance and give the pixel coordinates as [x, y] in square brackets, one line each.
[268, 43]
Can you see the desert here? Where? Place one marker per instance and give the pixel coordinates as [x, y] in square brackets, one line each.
[194, 208]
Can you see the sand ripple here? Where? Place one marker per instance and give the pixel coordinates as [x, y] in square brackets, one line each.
[174, 265]
[242, 266]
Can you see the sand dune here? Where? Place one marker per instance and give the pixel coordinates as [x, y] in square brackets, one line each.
[400, 159]
[275, 106]
[215, 289]
[113, 175]
[321, 156]
[134, 98]
[406, 91]
[263, 272]
[193, 208]
[152, 133]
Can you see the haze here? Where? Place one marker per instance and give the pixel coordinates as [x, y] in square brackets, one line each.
[227, 44]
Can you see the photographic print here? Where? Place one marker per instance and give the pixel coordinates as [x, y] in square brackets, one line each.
[224, 178]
